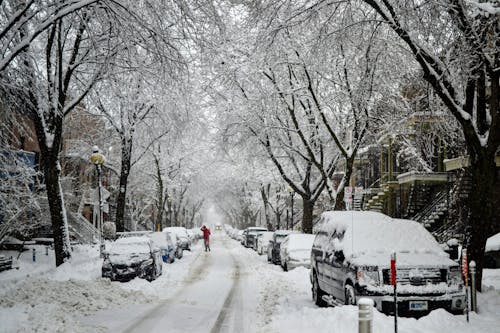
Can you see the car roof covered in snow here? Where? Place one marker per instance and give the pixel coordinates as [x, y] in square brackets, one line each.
[284, 232]
[493, 243]
[357, 233]
[132, 240]
[300, 241]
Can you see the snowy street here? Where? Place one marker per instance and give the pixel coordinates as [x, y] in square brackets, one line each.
[209, 299]
[230, 289]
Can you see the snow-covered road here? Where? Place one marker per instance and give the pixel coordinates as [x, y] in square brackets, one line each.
[209, 299]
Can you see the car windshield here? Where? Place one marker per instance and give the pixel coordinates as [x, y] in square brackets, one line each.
[129, 248]
[280, 238]
[254, 232]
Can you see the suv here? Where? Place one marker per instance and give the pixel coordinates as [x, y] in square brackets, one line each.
[250, 237]
[273, 249]
[350, 259]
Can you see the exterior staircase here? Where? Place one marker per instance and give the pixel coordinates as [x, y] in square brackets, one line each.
[376, 203]
[79, 227]
[433, 214]
[357, 201]
[417, 200]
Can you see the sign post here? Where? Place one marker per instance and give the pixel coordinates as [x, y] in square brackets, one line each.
[465, 273]
[394, 283]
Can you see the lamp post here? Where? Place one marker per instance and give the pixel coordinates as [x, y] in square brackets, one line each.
[292, 194]
[98, 160]
[169, 201]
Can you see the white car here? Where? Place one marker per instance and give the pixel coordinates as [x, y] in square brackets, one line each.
[183, 236]
[263, 241]
[295, 251]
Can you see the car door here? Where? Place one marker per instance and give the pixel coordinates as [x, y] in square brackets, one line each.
[337, 268]
[318, 256]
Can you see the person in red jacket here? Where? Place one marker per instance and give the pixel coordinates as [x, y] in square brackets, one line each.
[206, 237]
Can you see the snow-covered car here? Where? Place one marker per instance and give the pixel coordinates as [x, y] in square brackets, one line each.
[240, 235]
[295, 251]
[263, 241]
[273, 250]
[492, 252]
[184, 241]
[167, 243]
[251, 234]
[350, 259]
[132, 257]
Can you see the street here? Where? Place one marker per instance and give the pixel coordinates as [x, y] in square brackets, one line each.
[209, 299]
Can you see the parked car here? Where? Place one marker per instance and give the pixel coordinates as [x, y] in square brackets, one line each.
[492, 252]
[273, 250]
[263, 241]
[251, 235]
[351, 255]
[240, 236]
[295, 251]
[182, 235]
[167, 243]
[131, 257]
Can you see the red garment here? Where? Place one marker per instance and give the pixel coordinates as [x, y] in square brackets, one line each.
[206, 233]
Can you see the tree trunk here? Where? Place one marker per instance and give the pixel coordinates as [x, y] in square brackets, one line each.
[484, 209]
[265, 201]
[55, 198]
[122, 191]
[307, 215]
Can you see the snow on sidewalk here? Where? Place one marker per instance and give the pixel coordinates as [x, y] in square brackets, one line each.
[41, 298]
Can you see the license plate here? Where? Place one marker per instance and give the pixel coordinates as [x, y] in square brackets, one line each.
[418, 305]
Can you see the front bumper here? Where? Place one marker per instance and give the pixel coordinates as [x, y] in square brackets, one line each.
[453, 302]
[125, 274]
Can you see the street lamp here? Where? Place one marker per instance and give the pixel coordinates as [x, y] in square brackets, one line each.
[98, 160]
[169, 201]
[292, 194]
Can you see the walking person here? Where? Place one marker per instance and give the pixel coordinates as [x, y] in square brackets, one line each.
[206, 237]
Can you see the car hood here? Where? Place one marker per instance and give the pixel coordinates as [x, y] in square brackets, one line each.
[128, 259]
[403, 260]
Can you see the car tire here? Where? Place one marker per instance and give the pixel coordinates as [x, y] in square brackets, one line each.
[350, 295]
[317, 293]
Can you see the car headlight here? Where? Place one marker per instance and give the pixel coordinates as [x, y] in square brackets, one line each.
[455, 276]
[368, 276]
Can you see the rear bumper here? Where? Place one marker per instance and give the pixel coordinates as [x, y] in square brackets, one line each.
[295, 264]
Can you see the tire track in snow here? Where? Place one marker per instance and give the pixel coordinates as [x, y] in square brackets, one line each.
[232, 306]
[195, 274]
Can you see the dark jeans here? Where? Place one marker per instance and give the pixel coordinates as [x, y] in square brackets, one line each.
[207, 245]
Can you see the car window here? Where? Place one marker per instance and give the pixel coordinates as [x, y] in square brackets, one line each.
[321, 240]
